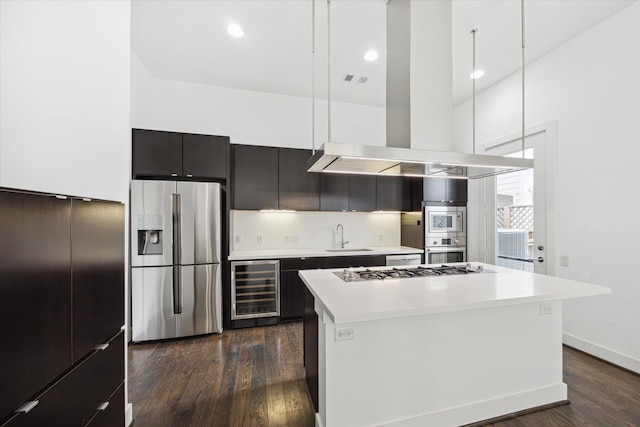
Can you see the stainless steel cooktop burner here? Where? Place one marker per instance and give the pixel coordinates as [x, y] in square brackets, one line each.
[401, 273]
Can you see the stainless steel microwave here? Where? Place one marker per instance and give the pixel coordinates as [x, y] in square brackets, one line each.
[440, 220]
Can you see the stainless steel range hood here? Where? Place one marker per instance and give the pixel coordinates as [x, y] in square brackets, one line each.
[419, 107]
[371, 160]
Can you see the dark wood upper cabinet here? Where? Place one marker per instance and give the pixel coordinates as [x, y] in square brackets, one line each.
[334, 192]
[35, 288]
[204, 156]
[156, 153]
[254, 177]
[97, 250]
[362, 193]
[392, 193]
[445, 190]
[297, 188]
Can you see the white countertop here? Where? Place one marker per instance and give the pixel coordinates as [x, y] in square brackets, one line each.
[317, 252]
[347, 302]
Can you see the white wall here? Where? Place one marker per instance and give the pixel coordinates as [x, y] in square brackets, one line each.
[248, 117]
[591, 85]
[64, 97]
[312, 229]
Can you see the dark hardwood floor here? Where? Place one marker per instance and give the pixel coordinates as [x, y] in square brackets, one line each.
[255, 377]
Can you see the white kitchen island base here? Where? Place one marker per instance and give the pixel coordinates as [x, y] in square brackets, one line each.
[438, 363]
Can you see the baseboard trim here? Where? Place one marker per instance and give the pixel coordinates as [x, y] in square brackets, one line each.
[518, 414]
[608, 355]
[128, 414]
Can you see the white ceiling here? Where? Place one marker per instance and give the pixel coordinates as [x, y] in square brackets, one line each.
[187, 41]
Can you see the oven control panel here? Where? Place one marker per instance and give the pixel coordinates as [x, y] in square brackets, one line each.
[448, 241]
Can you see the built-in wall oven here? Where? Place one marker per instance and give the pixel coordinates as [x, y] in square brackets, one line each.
[445, 238]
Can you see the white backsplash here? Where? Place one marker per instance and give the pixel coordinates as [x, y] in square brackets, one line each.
[253, 230]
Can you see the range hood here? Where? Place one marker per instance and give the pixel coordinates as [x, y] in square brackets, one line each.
[372, 160]
[419, 107]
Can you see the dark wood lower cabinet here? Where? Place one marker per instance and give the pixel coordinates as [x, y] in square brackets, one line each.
[76, 398]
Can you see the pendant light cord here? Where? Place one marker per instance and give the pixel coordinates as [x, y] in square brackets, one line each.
[473, 98]
[313, 77]
[523, 60]
[328, 70]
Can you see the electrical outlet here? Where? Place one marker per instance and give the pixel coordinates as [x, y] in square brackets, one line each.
[259, 239]
[564, 260]
[293, 239]
[238, 239]
[380, 237]
[344, 334]
[546, 308]
[286, 239]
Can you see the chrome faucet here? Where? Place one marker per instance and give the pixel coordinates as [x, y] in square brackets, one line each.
[340, 231]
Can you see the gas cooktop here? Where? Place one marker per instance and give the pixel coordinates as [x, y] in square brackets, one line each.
[405, 273]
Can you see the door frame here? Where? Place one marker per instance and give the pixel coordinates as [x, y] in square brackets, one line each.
[545, 164]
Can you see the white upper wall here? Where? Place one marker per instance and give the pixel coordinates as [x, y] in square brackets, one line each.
[64, 97]
[591, 86]
[248, 117]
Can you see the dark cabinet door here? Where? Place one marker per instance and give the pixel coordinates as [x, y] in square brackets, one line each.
[334, 192]
[204, 156]
[255, 177]
[416, 193]
[97, 245]
[356, 261]
[445, 190]
[298, 189]
[435, 190]
[392, 193]
[362, 193]
[35, 289]
[156, 153]
[456, 190]
[291, 295]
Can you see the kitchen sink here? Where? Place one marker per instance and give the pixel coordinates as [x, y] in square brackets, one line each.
[348, 250]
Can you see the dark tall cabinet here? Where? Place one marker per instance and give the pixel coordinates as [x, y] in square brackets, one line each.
[62, 284]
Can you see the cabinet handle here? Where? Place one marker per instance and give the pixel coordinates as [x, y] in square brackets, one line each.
[28, 406]
[174, 174]
[103, 406]
[61, 197]
[189, 176]
[102, 346]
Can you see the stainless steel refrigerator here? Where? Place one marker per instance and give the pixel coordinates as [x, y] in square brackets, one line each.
[176, 286]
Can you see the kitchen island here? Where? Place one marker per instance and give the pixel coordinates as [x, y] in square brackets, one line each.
[435, 351]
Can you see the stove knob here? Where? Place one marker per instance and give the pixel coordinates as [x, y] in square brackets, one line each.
[435, 242]
[456, 241]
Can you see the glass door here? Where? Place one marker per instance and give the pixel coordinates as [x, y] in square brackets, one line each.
[519, 212]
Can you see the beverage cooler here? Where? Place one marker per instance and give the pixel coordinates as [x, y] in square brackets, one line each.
[255, 289]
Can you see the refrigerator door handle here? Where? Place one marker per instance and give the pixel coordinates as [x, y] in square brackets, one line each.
[177, 244]
[177, 290]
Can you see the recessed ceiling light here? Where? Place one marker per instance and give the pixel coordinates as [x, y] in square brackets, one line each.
[477, 74]
[235, 30]
[371, 55]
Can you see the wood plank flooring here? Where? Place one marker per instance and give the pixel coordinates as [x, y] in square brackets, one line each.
[255, 377]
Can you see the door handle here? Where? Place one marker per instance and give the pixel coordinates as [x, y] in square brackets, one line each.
[540, 259]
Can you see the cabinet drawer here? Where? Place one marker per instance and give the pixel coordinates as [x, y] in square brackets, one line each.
[113, 414]
[356, 261]
[75, 398]
[302, 263]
